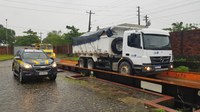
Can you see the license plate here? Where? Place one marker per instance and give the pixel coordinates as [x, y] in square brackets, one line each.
[43, 73]
[158, 66]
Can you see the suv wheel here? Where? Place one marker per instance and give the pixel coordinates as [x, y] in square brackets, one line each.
[53, 77]
[21, 77]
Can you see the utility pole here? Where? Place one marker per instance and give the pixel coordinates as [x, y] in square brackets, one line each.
[6, 37]
[146, 19]
[138, 14]
[90, 13]
[41, 37]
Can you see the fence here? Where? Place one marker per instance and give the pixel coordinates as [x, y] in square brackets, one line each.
[64, 49]
[3, 50]
[186, 43]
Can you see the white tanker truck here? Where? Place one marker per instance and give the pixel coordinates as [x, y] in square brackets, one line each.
[127, 50]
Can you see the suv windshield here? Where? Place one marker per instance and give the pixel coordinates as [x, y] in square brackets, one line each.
[34, 55]
[156, 42]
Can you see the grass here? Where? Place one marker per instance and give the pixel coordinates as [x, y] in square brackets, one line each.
[181, 69]
[5, 57]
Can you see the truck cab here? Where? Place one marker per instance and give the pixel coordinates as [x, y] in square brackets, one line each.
[146, 51]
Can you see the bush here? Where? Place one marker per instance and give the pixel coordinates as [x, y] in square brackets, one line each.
[181, 69]
[187, 58]
[180, 60]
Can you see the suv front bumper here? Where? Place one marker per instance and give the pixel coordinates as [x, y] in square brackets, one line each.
[39, 71]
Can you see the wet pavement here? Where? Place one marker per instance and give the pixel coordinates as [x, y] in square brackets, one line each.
[66, 95]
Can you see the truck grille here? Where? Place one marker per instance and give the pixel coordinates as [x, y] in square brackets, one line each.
[160, 60]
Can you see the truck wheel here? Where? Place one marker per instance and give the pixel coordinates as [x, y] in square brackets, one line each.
[90, 63]
[81, 62]
[116, 45]
[125, 68]
[21, 77]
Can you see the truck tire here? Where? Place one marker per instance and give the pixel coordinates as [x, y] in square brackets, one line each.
[116, 45]
[81, 62]
[90, 63]
[125, 68]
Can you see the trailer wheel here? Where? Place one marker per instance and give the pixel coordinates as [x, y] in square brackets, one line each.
[81, 62]
[116, 45]
[125, 68]
[90, 63]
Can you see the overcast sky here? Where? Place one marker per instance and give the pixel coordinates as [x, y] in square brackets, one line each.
[47, 15]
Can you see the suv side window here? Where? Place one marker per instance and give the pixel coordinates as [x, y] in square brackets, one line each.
[18, 53]
[134, 40]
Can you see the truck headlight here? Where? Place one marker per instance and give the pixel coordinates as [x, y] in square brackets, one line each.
[26, 65]
[171, 66]
[54, 65]
[148, 68]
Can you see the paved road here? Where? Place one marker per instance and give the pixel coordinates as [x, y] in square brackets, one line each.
[63, 95]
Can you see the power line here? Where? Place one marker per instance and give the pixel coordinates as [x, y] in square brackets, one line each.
[51, 7]
[191, 11]
[49, 11]
[174, 7]
[41, 5]
[79, 4]
[122, 19]
[164, 5]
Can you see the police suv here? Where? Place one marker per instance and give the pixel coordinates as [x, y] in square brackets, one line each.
[33, 63]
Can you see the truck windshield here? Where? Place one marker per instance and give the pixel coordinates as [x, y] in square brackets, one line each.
[42, 46]
[156, 42]
[46, 46]
[49, 47]
[34, 55]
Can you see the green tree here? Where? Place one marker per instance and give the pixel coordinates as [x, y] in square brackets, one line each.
[57, 38]
[10, 35]
[54, 38]
[73, 32]
[179, 26]
[30, 32]
[27, 40]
